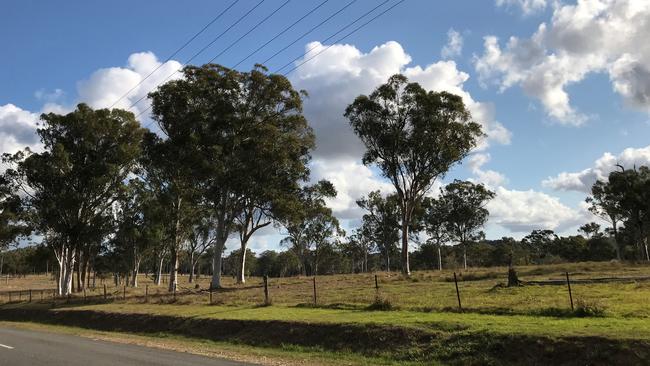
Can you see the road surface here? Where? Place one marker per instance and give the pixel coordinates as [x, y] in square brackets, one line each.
[30, 348]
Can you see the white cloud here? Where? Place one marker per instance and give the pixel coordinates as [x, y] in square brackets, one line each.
[527, 6]
[105, 86]
[583, 180]
[352, 180]
[591, 36]
[524, 211]
[340, 74]
[488, 177]
[454, 46]
[17, 129]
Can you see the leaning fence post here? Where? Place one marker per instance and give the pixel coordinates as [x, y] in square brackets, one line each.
[146, 293]
[104, 291]
[460, 306]
[266, 290]
[568, 283]
[315, 299]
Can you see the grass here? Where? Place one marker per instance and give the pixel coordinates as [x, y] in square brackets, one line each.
[424, 305]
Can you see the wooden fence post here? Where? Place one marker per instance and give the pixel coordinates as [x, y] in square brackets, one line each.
[266, 290]
[104, 291]
[124, 293]
[460, 306]
[146, 293]
[568, 283]
[174, 292]
[315, 299]
[30, 295]
[210, 294]
[84, 294]
[376, 284]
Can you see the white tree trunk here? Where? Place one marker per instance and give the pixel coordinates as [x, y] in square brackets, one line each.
[241, 269]
[217, 263]
[439, 259]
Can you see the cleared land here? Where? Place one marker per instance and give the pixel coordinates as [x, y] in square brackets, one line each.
[530, 323]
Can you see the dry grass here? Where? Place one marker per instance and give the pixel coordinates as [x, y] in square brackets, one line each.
[423, 291]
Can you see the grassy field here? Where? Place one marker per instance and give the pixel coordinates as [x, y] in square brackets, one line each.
[424, 306]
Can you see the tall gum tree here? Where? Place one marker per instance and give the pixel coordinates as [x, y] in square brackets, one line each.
[248, 135]
[71, 185]
[414, 136]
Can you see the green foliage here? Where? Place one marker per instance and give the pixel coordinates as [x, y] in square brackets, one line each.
[414, 137]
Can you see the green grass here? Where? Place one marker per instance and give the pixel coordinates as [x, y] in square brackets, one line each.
[492, 316]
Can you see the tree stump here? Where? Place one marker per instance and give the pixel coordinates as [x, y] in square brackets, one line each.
[513, 280]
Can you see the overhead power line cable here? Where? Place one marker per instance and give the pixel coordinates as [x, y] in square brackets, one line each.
[337, 33]
[176, 52]
[309, 31]
[281, 33]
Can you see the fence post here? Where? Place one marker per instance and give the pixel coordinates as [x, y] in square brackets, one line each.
[146, 293]
[124, 293]
[315, 299]
[30, 295]
[460, 306]
[568, 283]
[84, 294]
[266, 290]
[376, 284]
[174, 291]
[210, 294]
[104, 291]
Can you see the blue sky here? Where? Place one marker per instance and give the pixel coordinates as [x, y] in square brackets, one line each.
[555, 100]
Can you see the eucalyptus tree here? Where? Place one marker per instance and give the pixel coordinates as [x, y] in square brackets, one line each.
[200, 239]
[166, 173]
[71, 185]
[246, 131]
[13, 221]
[414, 136]
[381, 223]
[435, 219]
[312, 227]
[464, 206]
[605, 203]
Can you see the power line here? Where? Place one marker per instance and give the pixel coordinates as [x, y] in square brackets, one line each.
[200, 52]
[338, 32]
[309, 31]
[176, 52]
[281, 33]
[249, 31]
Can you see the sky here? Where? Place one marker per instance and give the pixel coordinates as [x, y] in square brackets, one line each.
[561, 88]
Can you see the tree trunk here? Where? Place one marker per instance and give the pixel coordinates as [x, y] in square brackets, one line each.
[173, 269]
[645, 244]
[136, 270]
[217, 264]
[192, 264]
[439, 258]
[387, 260]
[68, 272]
[465, 255]
[241, 269]
[160, 270]
[405, 247]
[616, 244]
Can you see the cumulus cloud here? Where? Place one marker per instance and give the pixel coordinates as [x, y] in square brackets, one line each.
[527, 7]
[592, 36]
[352, 180]
[17, 129]
[338, 75]
[106, 86]
[454, 46]
[488, 177]
[583, 180]
[524, 211]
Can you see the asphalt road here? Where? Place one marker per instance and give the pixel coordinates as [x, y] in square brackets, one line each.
[30, 348]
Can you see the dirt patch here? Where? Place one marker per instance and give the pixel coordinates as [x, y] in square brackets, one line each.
[433, 343]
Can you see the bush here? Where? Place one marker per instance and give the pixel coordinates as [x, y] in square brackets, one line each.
[381, 304]
[589, 309]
